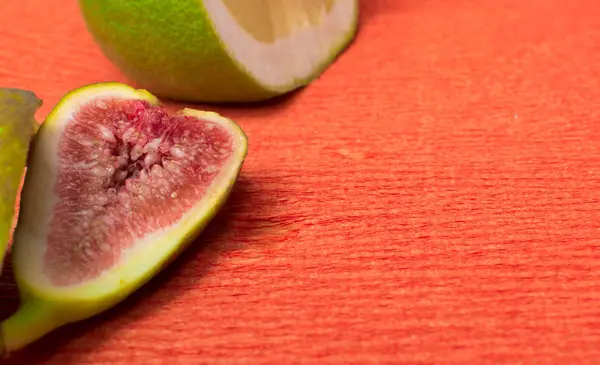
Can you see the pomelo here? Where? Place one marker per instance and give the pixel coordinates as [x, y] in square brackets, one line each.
[221, 50]
[115, 189]
[17, 127]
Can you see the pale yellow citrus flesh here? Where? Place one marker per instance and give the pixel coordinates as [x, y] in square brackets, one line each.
[286, 16]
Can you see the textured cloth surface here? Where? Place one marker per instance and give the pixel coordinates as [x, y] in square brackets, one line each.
[431, 199]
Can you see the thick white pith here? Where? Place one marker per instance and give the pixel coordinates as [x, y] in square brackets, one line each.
[145, 254]
[289, 58]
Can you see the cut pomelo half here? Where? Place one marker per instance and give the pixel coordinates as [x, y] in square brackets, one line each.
[17, 127]
[115, 189]
[221, 50]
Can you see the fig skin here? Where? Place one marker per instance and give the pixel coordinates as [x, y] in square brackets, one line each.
[17, 127]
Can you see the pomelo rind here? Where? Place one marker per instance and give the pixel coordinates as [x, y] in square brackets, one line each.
[44, 306]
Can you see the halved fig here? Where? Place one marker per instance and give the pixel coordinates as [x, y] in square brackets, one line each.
[115, 189]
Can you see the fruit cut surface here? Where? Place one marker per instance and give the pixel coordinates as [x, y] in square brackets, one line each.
[115, 186]
[250, 15]
[282, 41]
[126, 170]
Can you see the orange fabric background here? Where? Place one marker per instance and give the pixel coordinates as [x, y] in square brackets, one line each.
[431, 199]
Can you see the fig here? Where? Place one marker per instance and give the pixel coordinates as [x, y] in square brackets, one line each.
[115, 189]
[17, 127]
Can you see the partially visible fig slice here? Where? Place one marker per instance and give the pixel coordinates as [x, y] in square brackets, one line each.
[115, 189]
[17, 127]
